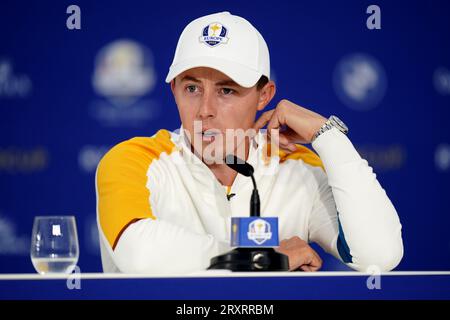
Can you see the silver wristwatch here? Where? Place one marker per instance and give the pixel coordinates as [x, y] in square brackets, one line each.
[332, 122]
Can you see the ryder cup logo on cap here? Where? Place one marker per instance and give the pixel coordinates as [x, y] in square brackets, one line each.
[214, 34]
[259, 231]
[224, 42]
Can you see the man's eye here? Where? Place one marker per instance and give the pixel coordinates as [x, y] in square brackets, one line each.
[227, 91]
[191, 88]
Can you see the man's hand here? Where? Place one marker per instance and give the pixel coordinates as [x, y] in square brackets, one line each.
[300, 254]
[297, 124]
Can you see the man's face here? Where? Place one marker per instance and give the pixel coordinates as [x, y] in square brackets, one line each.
[212, 106]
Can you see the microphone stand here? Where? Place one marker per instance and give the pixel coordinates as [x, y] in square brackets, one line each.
[249, 259]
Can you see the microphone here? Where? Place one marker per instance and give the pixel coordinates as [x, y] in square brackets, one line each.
[254, 236]
[247, 170]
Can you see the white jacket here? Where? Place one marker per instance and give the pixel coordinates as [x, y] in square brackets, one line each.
[161, 210]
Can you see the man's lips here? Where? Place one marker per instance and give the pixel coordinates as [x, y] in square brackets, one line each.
[209, 135]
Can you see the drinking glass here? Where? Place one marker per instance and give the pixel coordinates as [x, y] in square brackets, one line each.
[54, 244]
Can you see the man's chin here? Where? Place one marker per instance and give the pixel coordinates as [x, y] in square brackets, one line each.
[212, 154]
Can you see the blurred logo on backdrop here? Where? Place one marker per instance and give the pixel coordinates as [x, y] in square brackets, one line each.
[91, 235]
[360, 81]
[89, 157]
[441, 79]
[13, 85]
[442, 157]
[19, 160]
[384, 158]
[10, 242]
[123, 76]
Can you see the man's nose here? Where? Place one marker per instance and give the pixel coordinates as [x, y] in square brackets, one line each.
[207, 108]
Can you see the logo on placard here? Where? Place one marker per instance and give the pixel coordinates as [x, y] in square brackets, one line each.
[259, 231]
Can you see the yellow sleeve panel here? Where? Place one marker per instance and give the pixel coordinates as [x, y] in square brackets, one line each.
[302, 153]
[122, 193]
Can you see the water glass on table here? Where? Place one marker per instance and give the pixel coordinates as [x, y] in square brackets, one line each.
[54, 244]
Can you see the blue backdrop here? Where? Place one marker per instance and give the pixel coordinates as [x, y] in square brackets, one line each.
[66, 96]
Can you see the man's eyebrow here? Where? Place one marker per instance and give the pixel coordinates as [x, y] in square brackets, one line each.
[219, 83]
[227, 83]
[189, 78]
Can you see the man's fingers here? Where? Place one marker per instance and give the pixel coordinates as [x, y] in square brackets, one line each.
[301, 255]
[292, 147]
[274, 123]
[263, 119]
[315, 263]
[284, 141]
[306, 268]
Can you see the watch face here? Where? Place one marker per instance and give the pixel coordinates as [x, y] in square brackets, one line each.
[341, 125]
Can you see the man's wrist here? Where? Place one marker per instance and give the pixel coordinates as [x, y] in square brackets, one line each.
[331, 122]
[335, 149]
[317, 128]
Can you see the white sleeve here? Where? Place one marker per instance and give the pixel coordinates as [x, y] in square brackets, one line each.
[157, 246]
[352, 217]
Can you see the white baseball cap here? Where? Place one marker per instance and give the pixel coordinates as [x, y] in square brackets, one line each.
[224, 42]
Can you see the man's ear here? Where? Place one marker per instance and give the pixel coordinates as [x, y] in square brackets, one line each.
[172, 86]
[266, 94]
